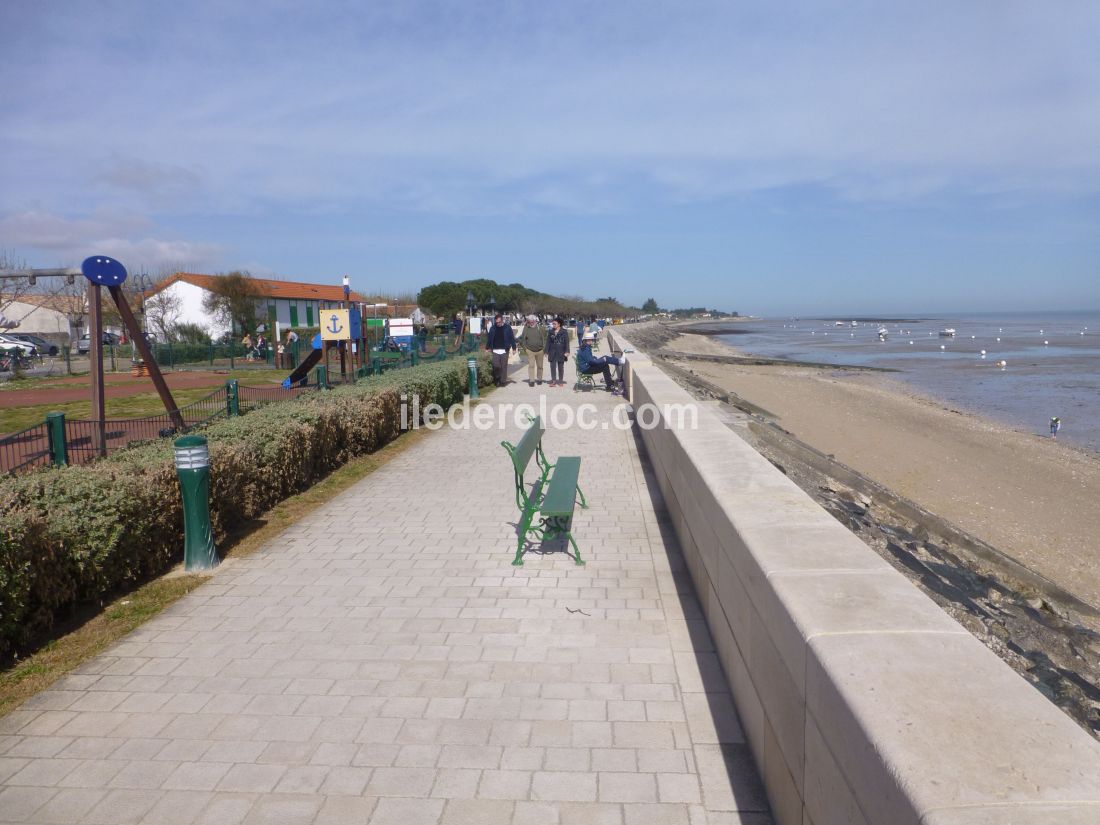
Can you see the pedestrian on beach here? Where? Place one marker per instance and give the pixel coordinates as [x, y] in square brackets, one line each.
[557, 350]
[500, 340]
[533, 339]
[1055, 426]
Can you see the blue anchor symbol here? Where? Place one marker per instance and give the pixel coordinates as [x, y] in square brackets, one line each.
[334, 327]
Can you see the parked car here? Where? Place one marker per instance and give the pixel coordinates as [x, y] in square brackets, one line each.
[85, 342]
[9, 341]
[43, 346]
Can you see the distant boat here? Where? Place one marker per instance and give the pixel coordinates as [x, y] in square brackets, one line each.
[855, 323]
[838, 324]
[883, 333]
[947, 333]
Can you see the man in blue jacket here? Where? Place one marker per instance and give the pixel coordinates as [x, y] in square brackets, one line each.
[499, 341]
[588, 363]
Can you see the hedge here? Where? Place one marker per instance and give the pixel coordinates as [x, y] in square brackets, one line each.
[79, 534]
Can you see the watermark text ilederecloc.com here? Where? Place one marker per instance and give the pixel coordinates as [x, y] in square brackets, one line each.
[558, 416]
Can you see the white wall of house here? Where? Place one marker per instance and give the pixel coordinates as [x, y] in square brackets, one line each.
[191, 311]
[36, 320]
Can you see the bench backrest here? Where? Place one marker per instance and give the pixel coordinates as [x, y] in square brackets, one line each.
[527, 446]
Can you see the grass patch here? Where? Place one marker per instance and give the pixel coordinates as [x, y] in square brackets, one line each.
[13, 419]
[67, 652]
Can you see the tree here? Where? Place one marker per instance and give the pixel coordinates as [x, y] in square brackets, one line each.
[11, 289]
[650, 306]
[190, 334]
[162, 312]
[233, 301]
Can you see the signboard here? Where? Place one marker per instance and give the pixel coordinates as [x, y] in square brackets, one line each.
[340, 324]
[475, 326]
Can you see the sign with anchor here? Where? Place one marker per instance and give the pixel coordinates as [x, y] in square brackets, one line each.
[340, 324]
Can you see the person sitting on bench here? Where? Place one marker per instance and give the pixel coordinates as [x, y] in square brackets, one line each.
[589, 364]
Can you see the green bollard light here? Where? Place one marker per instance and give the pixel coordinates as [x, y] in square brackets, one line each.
[193, 469]
[471, 364]
[232, 398]
[55, 428]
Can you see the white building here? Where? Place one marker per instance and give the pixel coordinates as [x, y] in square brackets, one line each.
[49, 316]
[290, 303]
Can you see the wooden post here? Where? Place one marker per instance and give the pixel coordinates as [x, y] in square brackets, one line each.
[147, 356]
[95, 355]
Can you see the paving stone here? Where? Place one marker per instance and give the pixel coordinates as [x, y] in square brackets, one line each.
[68, 805]
[410, 674]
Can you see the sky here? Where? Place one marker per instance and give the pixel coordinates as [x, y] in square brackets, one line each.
[768, 158]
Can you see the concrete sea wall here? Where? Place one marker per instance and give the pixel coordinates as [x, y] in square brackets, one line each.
[862, 701]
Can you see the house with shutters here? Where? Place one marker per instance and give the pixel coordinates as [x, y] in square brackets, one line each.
[291, 304]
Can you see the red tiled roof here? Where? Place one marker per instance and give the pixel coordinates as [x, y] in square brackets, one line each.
[292, 290]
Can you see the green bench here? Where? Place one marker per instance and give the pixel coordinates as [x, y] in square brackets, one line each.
[553, 495]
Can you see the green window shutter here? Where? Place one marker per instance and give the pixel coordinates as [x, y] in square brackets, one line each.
[294, 313]
[309, 315]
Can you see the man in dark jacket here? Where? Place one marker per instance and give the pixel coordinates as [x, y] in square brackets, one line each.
[499, 341]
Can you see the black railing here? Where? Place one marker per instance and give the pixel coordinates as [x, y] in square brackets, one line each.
[25, 449]
[30, 448]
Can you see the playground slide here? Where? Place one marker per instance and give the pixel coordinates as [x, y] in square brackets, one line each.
[307, 364]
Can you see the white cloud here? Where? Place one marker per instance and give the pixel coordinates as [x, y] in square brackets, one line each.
[133, 239]
[489, 108]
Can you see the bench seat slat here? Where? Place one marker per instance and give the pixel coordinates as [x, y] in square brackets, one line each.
[562, 495]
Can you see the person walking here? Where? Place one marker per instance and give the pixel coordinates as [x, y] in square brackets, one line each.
[533, 339]
[500, 340]
[457, 326]
[291, 348]
[1055, 426]
[557, 350]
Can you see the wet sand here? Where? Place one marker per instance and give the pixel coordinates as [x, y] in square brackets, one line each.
[1030, 497]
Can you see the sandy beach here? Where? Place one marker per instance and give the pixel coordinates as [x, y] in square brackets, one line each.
[1032, 498]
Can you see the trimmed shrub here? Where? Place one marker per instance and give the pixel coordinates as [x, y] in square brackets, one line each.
[78, 534]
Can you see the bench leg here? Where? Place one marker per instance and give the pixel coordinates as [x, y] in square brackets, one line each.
[576, 550]
[524, 527]
[580, 492]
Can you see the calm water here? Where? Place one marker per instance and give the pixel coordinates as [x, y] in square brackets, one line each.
[1053, 361]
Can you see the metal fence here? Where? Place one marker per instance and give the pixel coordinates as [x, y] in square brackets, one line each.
[30, 448]
[25, 449]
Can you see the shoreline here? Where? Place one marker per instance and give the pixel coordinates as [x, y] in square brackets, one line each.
[1032, 498]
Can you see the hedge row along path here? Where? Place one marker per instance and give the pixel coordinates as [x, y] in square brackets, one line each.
[382, 660]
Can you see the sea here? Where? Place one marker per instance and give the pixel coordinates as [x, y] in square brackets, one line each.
[1021, 369]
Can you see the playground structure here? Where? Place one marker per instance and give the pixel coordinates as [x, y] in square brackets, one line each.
[103, 271]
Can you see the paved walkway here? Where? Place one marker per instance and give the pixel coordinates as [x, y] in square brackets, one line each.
[382, 662]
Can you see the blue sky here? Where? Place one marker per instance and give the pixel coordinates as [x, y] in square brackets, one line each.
[765, 157]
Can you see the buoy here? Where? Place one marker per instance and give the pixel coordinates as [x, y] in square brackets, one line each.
[983, 353]
[910, 343]
[1046, 343]
[942, 346]
[998, 340]
[971, 337]
[1002, 364]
